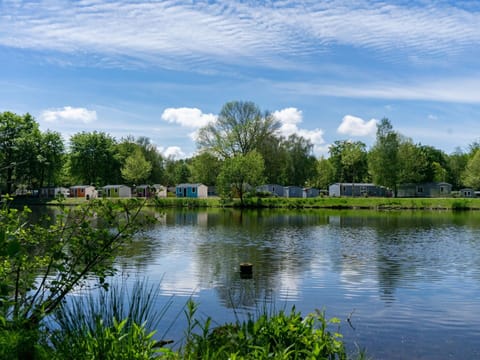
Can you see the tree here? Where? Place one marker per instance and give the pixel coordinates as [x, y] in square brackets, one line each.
[349, 160]
[326, 173]
[471, 176]
[50, 156]
[457, 162]
[92, 158]
[136, 168]
[155, 158]
[13, 131]
[205, 169]
[240, 128]
[300, 163]
[239, 173]
[413, 166]
[383, 157]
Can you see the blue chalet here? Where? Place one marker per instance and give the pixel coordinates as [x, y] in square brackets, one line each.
[191, 191]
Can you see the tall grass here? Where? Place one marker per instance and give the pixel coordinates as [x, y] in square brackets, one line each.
[116, 324]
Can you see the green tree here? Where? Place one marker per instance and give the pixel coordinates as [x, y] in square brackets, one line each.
[383, 157]
[93, 158]
[205, 169]
[349, 160]
[136, 169]
[300, 164]
[155, 158]
[14, 129]
[326, 173]
[457, 162]
[471, 175]
[239, 174]
[413, 165]
[50, 157]
[241, 127]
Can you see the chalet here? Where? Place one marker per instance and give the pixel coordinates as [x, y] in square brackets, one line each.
[160, 190]
[145, 191]
[51, 192]
[83, 191]
[467, 193]
[293, 191]
[117, 191]
[191, 191]
[433, 189]
[357, 189]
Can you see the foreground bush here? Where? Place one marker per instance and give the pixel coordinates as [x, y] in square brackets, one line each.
[278, 336]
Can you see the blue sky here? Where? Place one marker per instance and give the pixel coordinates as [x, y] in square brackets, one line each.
[328, 70]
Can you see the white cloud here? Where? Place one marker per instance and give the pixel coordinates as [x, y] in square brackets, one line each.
[174, 152]
[188, 117]
[289, 119]
[355, 126]
[69, 114]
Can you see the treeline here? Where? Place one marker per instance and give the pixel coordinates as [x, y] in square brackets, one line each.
[242, 147]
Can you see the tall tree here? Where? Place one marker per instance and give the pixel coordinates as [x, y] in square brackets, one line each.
[457, 162]
[136, 169]
[239, 173]
[241, 127]
[349, 161]
[205, 169]
[413, 165]
[13, 131]
[383, 157]
[300, 164]
[92, 158]
[471, 176]
[326, 173]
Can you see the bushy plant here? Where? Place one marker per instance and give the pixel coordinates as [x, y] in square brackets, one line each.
[280, 335]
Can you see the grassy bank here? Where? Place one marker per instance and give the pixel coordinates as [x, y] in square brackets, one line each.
[371, 203]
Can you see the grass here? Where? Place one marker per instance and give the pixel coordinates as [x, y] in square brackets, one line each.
[372, 203]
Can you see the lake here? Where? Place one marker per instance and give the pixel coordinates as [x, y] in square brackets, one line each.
[408, 282]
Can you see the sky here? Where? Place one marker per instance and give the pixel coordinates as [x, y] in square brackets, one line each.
[326, 70]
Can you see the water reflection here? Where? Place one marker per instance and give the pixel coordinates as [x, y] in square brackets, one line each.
[411, 279]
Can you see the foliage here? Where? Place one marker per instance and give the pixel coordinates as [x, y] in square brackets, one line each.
[299, 166]
[325, 173]
[41, 264]
[240, 173]
[17, 136]
[92, 158]
[136, 168]
[471, 176]
[279, 335]
[205, 169]
[383, 157]
[349, 161]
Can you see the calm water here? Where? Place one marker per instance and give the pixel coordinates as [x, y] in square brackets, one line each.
[409, 281]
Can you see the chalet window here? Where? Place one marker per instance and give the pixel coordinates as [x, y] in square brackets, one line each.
[193, 190]
[420, 189]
